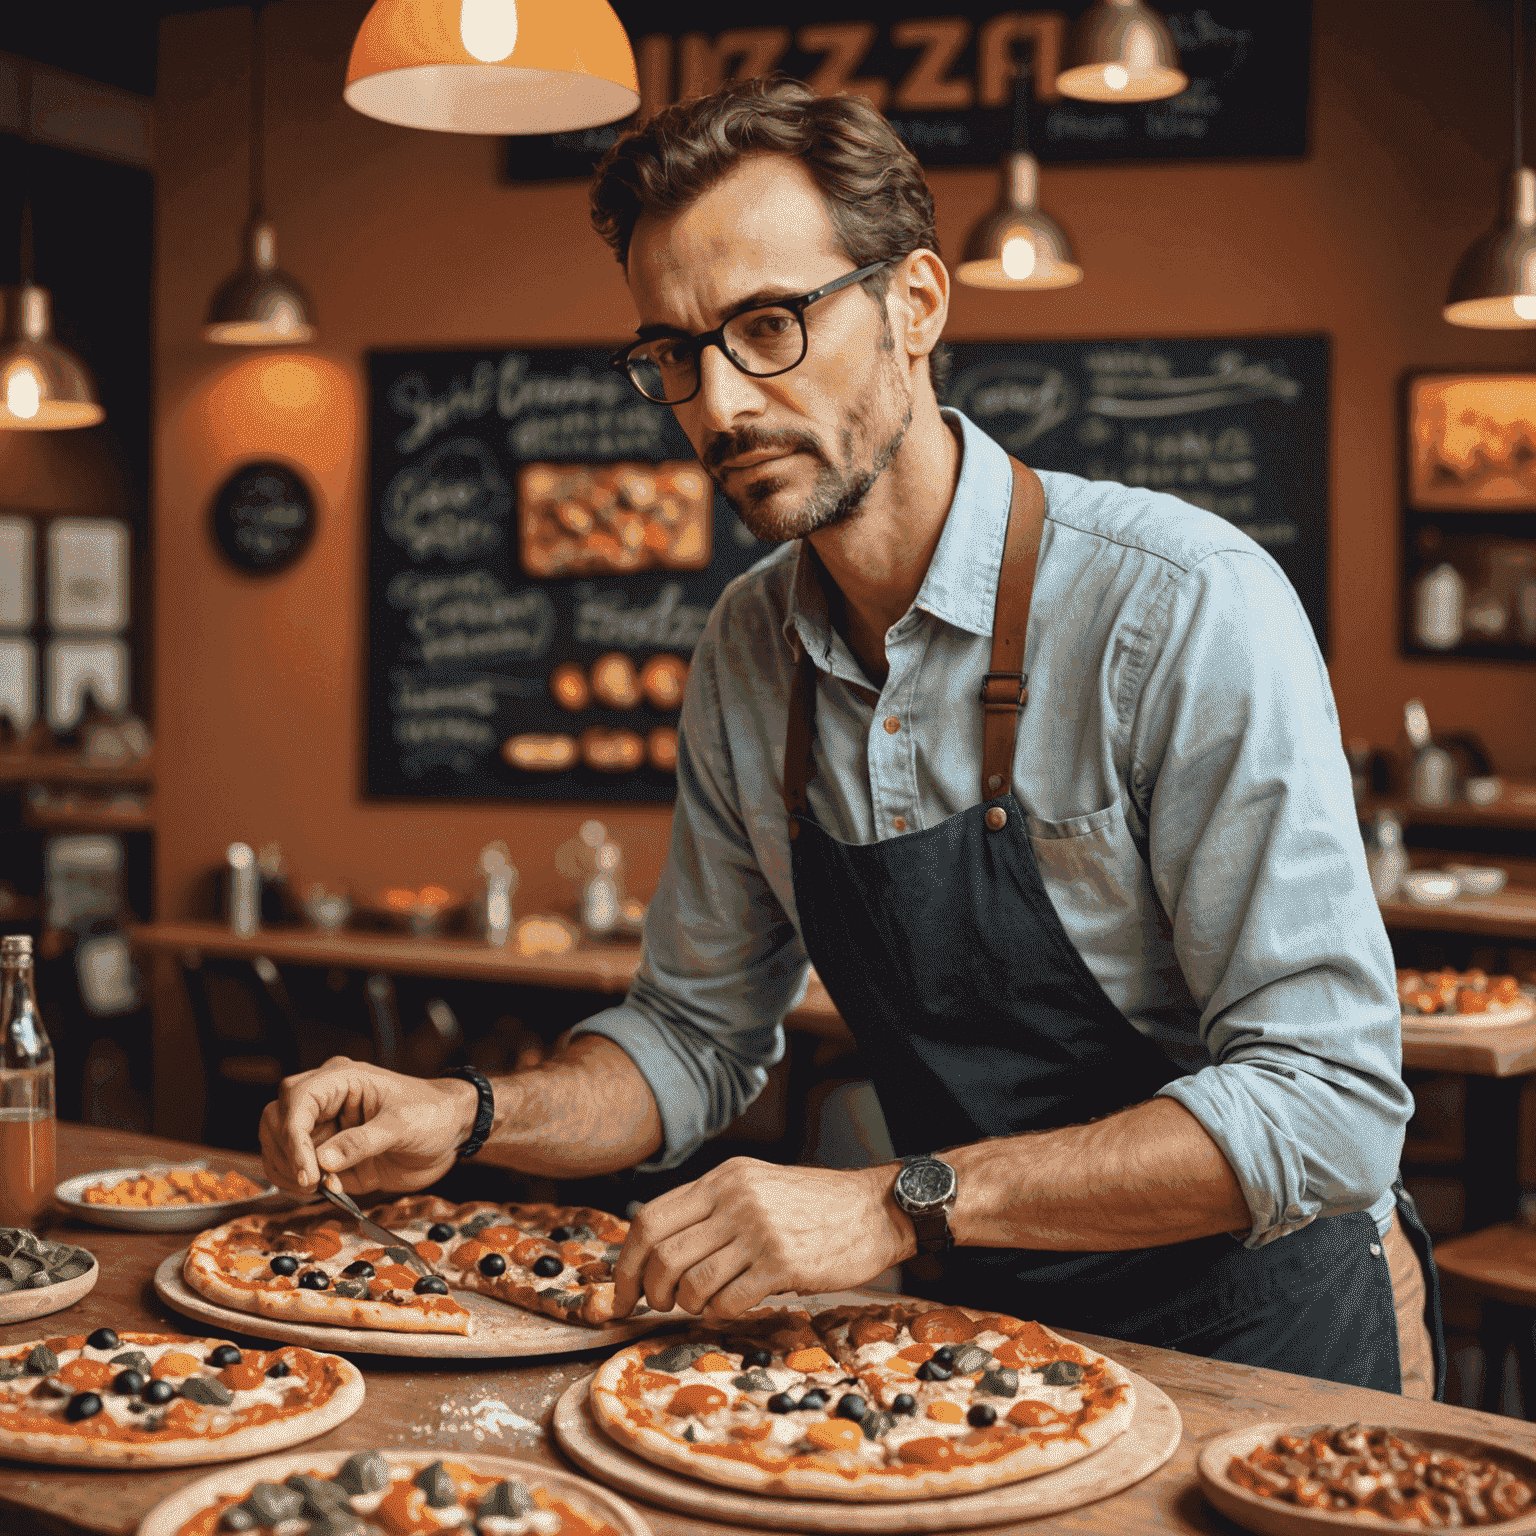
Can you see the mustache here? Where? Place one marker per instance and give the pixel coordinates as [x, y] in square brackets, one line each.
[731, 445]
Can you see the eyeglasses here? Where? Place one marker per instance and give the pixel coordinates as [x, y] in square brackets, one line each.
[763, 341]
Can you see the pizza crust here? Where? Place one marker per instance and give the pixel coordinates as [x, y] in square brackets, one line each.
[848, 1475]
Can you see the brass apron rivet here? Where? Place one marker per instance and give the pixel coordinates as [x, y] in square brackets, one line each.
[995, 783]
[997, 818]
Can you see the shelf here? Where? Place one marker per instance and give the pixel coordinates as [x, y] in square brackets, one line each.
[89, 821]
[1511, 915]
[45, 768]
[1515, 809]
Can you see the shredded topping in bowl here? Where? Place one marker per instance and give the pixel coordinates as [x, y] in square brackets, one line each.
[1378, 1475]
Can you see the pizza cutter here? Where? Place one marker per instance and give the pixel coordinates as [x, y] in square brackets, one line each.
[381, 1235]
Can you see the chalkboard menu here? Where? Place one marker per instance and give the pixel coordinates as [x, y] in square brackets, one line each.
[942, 73]
[1238, 426]
[543, 550]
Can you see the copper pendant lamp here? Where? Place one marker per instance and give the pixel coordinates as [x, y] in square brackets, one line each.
[493, 66]
[1494, 287]
[1121, 51]
[44, 387]
[1017, 246]
[259, 305]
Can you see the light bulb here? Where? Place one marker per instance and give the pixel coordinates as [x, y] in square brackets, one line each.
[1018, 257]
[488, 29]
[1116, 76]
[1525, 305]
[23, 398]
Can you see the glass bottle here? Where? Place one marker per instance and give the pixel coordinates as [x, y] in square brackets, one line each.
[27, 1130]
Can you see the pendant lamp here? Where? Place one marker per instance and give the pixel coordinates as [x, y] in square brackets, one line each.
[1494, 288]
[1121, 50]
[1016, 245]
[44, 387]
[259, 306]
[493, 66]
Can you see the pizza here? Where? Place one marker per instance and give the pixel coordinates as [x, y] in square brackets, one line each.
[864, 1404]
[313, 1266]
[1448, 992]
[165, 1399]
[391, 1493]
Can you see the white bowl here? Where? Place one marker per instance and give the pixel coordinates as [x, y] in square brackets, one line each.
[1430, 887]
[1478, 879]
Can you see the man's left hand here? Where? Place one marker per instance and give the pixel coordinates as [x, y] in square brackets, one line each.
[749, 1229]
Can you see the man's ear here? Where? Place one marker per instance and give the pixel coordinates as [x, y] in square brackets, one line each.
[920, 288]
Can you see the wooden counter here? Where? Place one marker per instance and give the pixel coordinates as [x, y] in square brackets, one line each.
[475, 1406]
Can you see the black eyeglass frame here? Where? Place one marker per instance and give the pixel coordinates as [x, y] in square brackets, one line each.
[796, 305]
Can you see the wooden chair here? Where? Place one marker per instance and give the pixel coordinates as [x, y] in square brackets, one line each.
[1499, 1263]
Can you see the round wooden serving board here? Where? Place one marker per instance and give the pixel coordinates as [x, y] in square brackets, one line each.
[168, 1517]
[39, 1301]
[1270, 1517]
[500, 1330]
[1150, 1440]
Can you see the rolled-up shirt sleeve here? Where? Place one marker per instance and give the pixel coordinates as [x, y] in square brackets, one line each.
[722, 963]
[1255, 852]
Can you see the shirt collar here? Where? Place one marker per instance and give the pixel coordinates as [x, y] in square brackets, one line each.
[961, 584]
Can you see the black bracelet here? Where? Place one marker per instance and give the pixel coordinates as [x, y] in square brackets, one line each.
[484, 1115]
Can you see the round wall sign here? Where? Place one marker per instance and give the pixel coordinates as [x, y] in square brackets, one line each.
[263, 517]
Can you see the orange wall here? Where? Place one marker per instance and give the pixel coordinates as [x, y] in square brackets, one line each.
[410, 239]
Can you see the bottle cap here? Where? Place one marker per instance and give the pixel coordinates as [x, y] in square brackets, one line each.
[16, 946]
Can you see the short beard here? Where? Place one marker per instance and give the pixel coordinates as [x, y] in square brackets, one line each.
[838, 494]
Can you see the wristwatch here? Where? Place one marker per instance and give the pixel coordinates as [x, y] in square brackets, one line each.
[925, 1189]
[485, 1110]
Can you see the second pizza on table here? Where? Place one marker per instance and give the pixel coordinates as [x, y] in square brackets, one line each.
[164, 1399]
[864, 1404]
[312, 1266]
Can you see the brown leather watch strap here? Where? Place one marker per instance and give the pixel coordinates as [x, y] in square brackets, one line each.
[1005, 689]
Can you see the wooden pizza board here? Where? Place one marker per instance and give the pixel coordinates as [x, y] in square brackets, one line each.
[1271, 1517]
[168, 1517]
[1149, 1440]
[18, 1306]
[500, 1330]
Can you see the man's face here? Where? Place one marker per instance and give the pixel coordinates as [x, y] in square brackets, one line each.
[800, 451]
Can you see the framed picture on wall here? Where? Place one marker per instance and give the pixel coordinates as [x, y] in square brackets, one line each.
[1469, 516]
[1472, 442]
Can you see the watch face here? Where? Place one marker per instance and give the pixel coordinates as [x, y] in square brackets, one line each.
[926, 1183]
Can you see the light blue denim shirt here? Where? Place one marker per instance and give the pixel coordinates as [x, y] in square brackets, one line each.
[1187, 797]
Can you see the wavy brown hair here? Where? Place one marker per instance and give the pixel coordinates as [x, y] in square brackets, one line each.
[874, 189]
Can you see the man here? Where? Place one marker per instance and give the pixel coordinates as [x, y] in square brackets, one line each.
[1107, 938]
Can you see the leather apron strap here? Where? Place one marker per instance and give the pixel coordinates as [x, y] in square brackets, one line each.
[1004, 690]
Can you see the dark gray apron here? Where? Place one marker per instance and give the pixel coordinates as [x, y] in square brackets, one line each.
[977, 1018]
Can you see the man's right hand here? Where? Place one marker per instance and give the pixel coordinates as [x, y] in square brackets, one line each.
[373, 1128]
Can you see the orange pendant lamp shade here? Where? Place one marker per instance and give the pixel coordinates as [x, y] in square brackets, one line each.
[493, 66]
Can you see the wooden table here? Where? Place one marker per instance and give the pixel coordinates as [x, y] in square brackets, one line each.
[419, 1403]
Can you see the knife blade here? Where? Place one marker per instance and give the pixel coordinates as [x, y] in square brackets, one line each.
[381, 1235]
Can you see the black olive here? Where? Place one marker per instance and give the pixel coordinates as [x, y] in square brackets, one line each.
[931, 1370]
[782, 1402]
[440, 1232]
[103, 1338]
[757, 1357]
[944, 1355]
[159, 1391]
[278, 1370]
[981, 1415]
[903, 1402]
[562, 1234]
[849, 1381]
[83, 1405]
[225, 1354]
[547, 1266]
[361, 1269]
[851, 1406]
[128, 1383]
[431, 1285]
[492, 1264]
[314, 1280]
[285, 1264]
[815, 1398]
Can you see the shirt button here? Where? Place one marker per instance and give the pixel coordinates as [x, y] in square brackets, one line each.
[1375, 1250]
[892, 725]
[900, 823]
